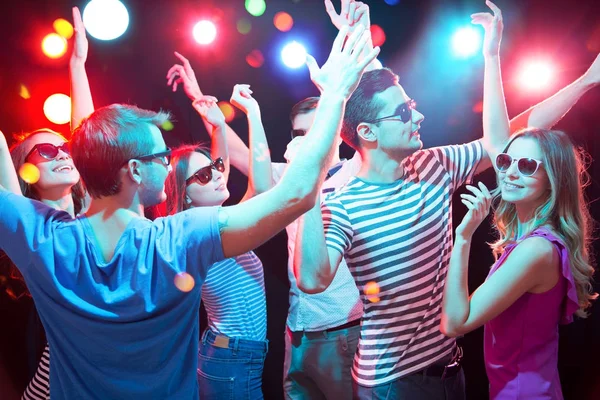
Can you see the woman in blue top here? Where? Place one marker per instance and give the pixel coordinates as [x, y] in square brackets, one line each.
[233, 348]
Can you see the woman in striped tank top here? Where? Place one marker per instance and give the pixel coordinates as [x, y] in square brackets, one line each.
[232, 350]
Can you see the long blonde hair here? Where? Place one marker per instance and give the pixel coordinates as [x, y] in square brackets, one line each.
[565, 208]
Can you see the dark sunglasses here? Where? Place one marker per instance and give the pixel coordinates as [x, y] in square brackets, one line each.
[298, 132]
[163, 156]
[204, 174]
[48, 150]
[404, 112]
[526, 166]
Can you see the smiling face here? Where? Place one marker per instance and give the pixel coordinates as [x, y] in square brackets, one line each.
[55, 173]
[526, 192]
[213, 193]
[392, 134]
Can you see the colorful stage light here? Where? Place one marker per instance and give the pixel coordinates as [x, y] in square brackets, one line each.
[293, 55]
[227, 110]
[29, 173]
[24, 92]
[377, 35]
[63, 28]
[205, 32]
[57, 108]
[283, 21]
[466, 42]
[244, 26]
[105, 19]
[54, 45]
[536, 75]
[256, 8]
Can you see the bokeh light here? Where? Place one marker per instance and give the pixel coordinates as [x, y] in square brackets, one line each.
[478, 107]
[54, 45]
[57, 108]
[536, 75]
[293, 55]
[105, 19]
[256, 8]
[24, 92]
[243, 26]
[167, 126]
[255, 59]
[29, 173]
[283, 21]
[184, 282]
[63, 28]
[227, 110]
[392, 2]
[205, 32]
[371, 291]
[377, 35]
[466, 42]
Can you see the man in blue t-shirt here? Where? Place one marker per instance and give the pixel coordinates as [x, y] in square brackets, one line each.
[104, 283]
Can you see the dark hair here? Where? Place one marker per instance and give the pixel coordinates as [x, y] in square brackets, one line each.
[107, 139]
[304, 107]
[175, 184]
[362, 105]
[18, 152]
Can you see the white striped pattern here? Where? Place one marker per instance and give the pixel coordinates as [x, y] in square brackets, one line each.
[234, 298]
[399, 236]
[39, 387]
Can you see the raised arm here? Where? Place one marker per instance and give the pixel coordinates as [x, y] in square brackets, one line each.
[184, 74]
[82, 104]
[8, 175]
[249, 224]
[353, 14]
[524, 269]
[547, 113]
[259, 158]
[496, 129]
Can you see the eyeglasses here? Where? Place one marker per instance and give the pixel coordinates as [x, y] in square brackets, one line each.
[404, 111]
[298, 132]
[526, 166]
[163, 156]
[204, 174]
[48, 150]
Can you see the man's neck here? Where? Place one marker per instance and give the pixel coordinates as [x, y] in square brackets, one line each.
[380, 167]
[115, 207]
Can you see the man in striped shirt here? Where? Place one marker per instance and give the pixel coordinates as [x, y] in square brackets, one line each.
[392, 225]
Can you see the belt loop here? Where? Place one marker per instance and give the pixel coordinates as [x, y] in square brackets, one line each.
[266, 346]
[204, 336]
[236, 343]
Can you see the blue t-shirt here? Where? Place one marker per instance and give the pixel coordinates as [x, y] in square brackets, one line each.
[119, 329]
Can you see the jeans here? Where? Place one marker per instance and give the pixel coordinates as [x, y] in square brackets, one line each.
[318, 364]
[415, 387]
[234, 372]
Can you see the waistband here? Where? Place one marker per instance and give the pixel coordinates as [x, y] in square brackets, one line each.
[234, 344]
[324, 332]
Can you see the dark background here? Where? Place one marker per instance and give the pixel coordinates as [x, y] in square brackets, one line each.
[132, 69]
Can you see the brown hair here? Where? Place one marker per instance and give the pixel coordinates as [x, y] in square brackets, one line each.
[304, 107]
[107, 139]
[565, 208]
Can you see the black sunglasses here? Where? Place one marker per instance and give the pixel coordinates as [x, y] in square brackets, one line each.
[163, 156]
[526, 166]
[204, 174]
[298, 132]
[404, 111]
[48, 150]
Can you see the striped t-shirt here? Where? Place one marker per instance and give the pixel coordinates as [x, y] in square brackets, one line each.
[234, 297]
[397, 237]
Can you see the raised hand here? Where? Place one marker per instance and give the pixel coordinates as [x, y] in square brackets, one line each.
[242, 99]
[493, 26]
[592, 75]
[353, 13]
[209, 110]
[292, 148]
[342, 71]
[184, 74]
[80, 46]
[479, 206]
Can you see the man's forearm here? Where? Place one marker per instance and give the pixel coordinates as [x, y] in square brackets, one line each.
[495, 117]
[259, 160]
